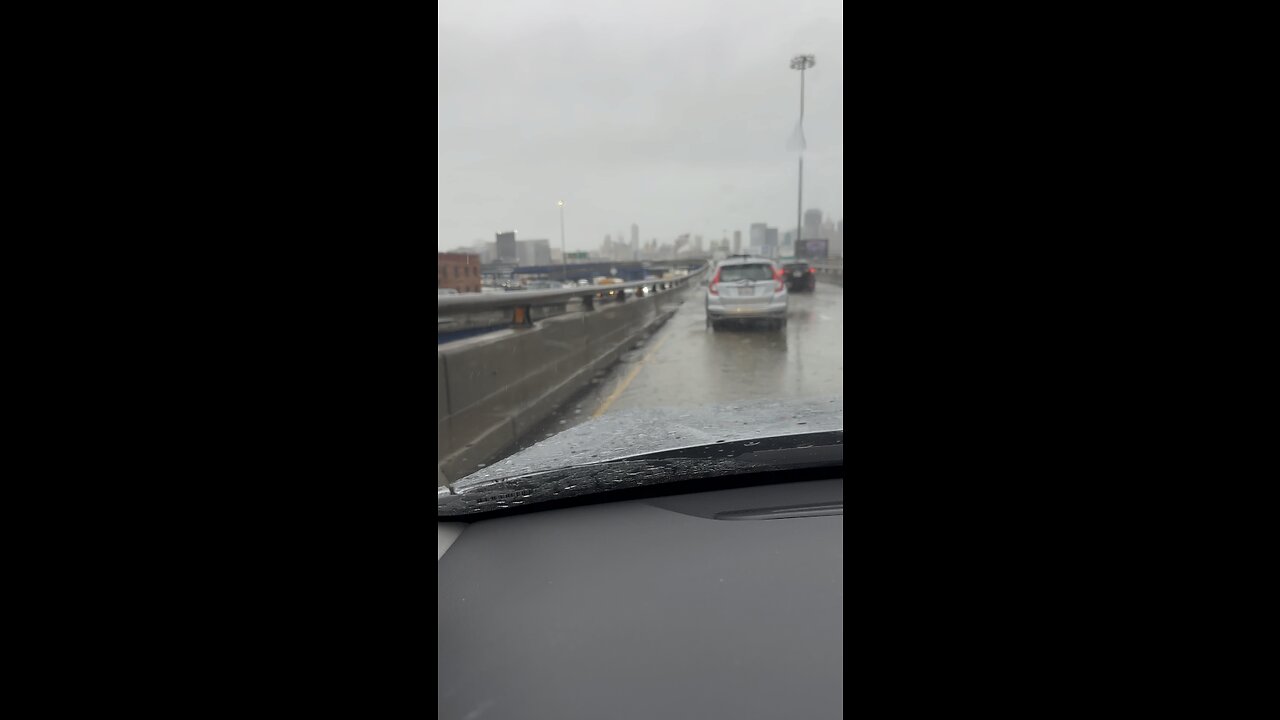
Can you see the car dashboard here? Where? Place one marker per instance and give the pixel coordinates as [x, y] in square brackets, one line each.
[724, 603]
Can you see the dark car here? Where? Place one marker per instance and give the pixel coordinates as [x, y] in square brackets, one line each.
[800, 276]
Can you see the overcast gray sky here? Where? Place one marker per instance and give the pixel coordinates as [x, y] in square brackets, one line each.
[674, 115]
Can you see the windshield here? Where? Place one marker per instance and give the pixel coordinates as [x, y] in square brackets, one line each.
[733, 273]
[649, 170]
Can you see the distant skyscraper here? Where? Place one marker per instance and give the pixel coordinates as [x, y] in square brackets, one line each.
[697, 243]
[812, 224]
[533, 252]
[737, 242]
[771, 242]
[757, 237]
[507, 248]
[488, 251]
[635, 235]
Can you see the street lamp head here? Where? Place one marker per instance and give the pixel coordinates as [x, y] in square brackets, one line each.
[801, 62]
[560, 203]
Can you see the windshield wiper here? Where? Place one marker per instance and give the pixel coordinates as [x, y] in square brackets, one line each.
[661, 467]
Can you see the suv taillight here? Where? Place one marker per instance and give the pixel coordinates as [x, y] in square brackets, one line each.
[777, 276]
[712, 287]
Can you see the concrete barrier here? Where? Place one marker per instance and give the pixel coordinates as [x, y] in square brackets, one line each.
[494, 388]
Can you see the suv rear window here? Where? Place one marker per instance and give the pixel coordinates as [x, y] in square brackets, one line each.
[796, 266]
[733, 273]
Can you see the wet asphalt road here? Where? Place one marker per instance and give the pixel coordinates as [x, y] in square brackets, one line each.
[685, 363]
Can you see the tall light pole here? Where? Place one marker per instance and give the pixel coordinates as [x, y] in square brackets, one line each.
[564, 258]
[801, 63]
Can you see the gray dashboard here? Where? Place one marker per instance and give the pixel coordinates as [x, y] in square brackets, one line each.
[723, 604]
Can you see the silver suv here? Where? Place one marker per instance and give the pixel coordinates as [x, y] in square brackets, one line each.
[745, 287]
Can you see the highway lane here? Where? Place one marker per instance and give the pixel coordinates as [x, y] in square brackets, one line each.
[685, 363]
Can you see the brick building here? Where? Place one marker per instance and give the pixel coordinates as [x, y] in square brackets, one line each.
[460, 271]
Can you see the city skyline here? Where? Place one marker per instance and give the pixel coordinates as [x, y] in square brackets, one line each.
[762, 237]
[624, 238]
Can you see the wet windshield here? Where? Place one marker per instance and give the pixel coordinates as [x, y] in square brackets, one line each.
[597, 163]
[733, 273]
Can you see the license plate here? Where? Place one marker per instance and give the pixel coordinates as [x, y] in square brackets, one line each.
[796, 274]
[746, 291]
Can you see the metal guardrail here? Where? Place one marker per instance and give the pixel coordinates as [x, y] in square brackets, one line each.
[520, 301]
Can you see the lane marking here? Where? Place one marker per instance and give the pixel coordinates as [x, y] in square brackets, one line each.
[630, 376]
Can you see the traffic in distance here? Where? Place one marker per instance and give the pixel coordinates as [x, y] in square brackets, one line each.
[800, 276]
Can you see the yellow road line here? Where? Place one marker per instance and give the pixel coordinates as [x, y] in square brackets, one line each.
[630, 376]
